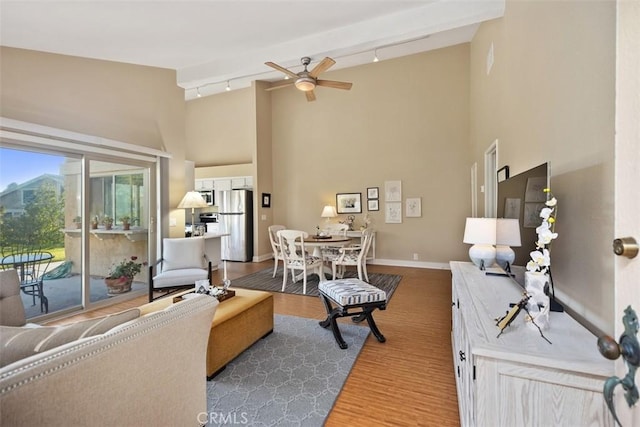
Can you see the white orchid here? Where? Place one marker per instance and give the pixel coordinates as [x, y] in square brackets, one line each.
[541, 258]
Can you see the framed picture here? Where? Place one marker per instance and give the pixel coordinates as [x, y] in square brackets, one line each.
[373, 205]
[393, 191]
[393, 213]
[266, 200]
[372, 193]
[413, 207]
[503, 173]
[532, 214]
[347, 203]
[535, 189]
[512, 208]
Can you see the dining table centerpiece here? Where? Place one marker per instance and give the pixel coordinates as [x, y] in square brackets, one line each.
[121, 275]
[537, 278]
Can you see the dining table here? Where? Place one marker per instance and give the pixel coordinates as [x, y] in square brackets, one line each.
[18, 261]
[319, 242]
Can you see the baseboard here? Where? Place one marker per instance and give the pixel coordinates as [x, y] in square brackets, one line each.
[380, 261]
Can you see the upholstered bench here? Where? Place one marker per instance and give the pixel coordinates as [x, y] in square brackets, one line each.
[349, 295]
[238, 322]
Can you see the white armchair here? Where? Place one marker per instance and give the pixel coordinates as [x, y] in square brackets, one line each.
[183, 262]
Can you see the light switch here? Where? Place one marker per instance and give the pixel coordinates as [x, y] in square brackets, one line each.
[263, 217]
[172, 222]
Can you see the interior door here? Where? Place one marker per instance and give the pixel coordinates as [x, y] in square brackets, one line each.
[627, 176]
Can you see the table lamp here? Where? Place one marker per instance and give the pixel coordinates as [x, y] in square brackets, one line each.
[328, 212]
[481, 233]
[507, 235]
[192, 199]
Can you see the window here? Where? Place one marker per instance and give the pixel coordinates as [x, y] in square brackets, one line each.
[118, 196]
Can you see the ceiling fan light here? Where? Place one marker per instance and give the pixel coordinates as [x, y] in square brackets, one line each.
[305, 84]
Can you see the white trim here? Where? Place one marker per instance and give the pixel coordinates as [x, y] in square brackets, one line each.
[21, 131]
[474, 190]
[491, 180]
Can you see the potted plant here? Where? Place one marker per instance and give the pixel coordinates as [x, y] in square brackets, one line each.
[121, 275]
[78, 221]
[126, 222]
[108, 222]
[94, 222]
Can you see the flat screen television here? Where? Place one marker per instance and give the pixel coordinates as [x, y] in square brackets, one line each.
[521, 196]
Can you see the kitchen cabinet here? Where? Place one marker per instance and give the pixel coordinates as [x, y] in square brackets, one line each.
[519, 379]
[204, 184]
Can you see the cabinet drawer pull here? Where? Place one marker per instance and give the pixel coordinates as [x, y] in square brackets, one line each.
[463, 356]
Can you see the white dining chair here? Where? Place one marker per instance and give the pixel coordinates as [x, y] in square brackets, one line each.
[275, 245]
[296, 258]
[353, 256]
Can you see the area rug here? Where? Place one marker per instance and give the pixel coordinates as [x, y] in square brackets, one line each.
[290, 378]
[262, 280]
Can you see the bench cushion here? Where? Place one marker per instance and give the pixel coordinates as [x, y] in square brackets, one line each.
[351, 291]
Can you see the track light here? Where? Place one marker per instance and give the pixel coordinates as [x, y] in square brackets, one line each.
[198, 94]
[375, 56]
[227, 88]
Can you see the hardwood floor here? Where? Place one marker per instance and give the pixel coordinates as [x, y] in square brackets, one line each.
[406, 381]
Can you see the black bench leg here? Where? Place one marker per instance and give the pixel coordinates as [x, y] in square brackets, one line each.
[374, 328]
[330, 321]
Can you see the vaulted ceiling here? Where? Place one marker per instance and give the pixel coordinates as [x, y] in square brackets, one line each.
[219, 43]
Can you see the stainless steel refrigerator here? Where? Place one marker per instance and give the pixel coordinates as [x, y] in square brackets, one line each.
[235, 215]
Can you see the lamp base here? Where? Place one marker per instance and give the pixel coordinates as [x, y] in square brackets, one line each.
[483, 256]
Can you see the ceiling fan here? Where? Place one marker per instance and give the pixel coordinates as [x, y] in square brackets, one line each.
[305, 80]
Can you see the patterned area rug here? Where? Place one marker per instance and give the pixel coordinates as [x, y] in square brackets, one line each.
[290, 378]
[263, 281]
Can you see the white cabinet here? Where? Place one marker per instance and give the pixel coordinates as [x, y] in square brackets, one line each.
[519, 379]
[204, 184]
[242, 182]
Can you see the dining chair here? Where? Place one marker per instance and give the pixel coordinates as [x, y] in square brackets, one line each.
[183, 262]
[295, 257]
[353, 256]
[275, 245]
[333, 229]
[31, 267]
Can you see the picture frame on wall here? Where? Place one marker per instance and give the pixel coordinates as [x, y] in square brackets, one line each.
[393, 213]
[348, 203]
[503, 173]
[373, 205]
[266, 200]
[413, 207]
[393, 191]
[372, 193]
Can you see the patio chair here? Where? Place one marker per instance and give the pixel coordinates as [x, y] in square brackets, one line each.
[183, 263]
[31, 267]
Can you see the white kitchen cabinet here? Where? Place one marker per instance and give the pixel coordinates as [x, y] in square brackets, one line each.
[204, 184]
[519, 379]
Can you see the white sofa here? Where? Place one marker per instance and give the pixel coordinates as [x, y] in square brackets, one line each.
[145, 371]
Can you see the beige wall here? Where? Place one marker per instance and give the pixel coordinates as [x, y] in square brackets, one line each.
[130, 103]
[550, 97]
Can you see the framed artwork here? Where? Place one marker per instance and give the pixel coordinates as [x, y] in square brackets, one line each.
[266, 200]
[373, 205]
[534, 191]
[413, 206]
[393, 213]
[372, 193]
[503, 173]
[393, 191]
[532, 215]
[512, 208]
[347, 203]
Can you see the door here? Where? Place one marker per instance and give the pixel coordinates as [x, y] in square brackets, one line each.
[627, 176]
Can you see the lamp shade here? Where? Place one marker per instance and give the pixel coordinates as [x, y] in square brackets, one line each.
[508, 232]
[480, 231]
[192, 199]
[328, 212]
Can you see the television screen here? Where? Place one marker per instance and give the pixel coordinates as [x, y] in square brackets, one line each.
[522, 197]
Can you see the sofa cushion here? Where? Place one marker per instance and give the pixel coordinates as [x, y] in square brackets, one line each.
[11, 308]
[18, 342]
[182, 253]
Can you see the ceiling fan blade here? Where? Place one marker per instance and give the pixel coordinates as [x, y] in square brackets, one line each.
[280, 84]
[282, 69]
[334, 84]
[310, 96]
[322, 66]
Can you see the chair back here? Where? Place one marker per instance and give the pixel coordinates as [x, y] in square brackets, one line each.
[11, 307]
[182, 253]
[273, 238]
[367, 239]
[30, 265]
[292, 244]
[337, 229]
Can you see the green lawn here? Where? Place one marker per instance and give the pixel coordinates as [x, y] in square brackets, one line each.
[58, 254]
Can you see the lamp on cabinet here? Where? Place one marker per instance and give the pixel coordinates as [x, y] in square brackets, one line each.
[192, 200]
[481, 233]
[507, 235]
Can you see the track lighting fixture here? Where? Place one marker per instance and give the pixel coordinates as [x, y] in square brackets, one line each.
[198, 94]
[375, 56]
[227, 88]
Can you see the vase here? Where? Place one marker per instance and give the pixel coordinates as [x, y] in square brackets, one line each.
[118, 285]
[126, 226]
[537, 284]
